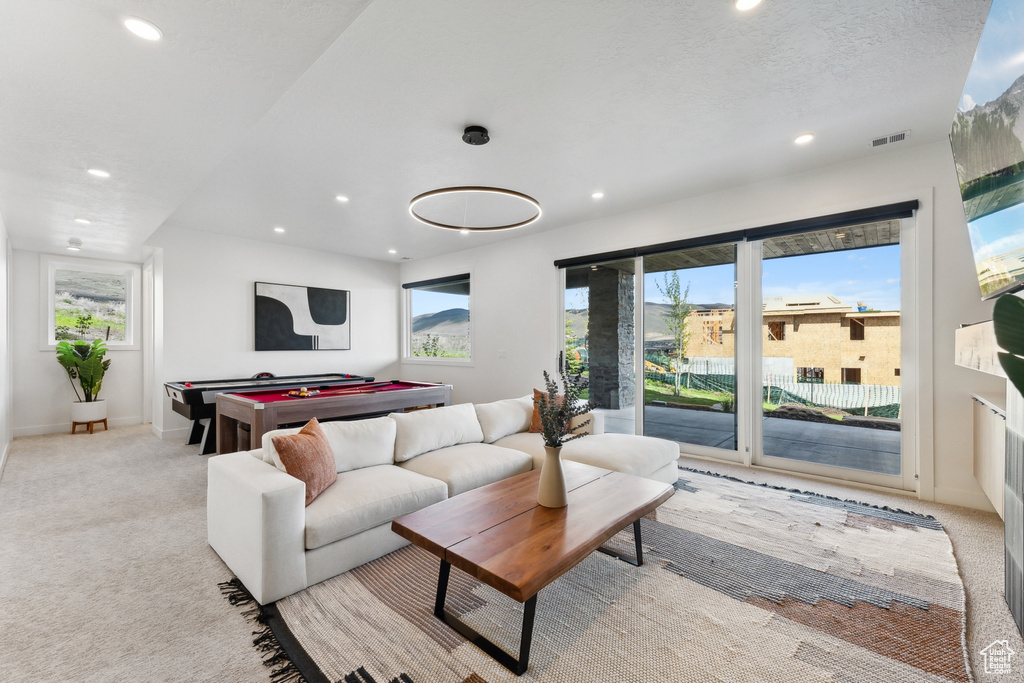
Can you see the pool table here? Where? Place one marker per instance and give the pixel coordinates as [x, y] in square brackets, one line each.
[250, 414]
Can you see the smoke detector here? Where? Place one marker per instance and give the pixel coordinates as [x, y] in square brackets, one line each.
[475, 135]
[890, 139]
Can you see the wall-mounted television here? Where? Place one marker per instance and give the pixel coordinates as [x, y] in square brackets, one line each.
[986, 140]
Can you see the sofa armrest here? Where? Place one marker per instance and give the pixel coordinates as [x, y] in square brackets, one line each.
[256, 521]
[596, 425]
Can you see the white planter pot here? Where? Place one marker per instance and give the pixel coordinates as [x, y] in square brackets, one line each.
[93, 411]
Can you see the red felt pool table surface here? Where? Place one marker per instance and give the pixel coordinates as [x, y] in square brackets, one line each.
[330, 390]
[243, 417]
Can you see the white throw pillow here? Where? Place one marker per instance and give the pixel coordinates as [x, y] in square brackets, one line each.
[422, 431]
[356, 443]
[502, 418]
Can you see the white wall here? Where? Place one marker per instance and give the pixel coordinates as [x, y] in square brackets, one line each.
[40, 384]
[6, 364]
[515, 292]
[203, 319]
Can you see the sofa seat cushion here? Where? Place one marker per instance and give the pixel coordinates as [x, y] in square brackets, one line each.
[467, 466]
[530, 443]
[365, 498]
[641, 456]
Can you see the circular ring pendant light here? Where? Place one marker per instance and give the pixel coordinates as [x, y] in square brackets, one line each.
[472, 189]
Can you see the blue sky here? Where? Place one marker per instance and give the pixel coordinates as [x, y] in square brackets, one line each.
[999, 60]
[424, 301]
[868, 275]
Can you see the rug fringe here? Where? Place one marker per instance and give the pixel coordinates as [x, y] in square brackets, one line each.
[282, 669]
[885, 508]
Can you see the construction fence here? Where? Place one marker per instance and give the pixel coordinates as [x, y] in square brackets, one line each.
[857, 399]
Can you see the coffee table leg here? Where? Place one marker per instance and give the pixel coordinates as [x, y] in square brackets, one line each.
[516, 666]
[639, 559]
[442, 589]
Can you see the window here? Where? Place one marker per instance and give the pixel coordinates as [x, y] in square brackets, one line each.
[87, 299]
[776, 331]
[712, 332]
[851, 375]
[857, 329]
[897, 373]
[438, 320]
[810, 375]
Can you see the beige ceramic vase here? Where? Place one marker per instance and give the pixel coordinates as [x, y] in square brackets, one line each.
[551, 493]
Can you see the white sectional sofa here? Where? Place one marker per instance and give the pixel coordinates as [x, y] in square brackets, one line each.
[387, 467]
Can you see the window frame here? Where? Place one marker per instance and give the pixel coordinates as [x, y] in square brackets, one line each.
[407, 289]
[782, 329]
[49, 264]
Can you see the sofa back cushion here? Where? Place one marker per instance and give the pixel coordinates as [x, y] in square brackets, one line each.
[502, 418]
[422, 431]
[356, 443]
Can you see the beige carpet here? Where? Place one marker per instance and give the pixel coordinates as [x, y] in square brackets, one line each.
[741, 583]
[105, 574]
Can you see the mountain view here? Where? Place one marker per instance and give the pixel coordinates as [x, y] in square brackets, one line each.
[444, 333]
[654, 321]
[986, 141]
[452, 321]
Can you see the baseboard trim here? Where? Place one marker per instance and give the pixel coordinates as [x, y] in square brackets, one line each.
[65, 427]
[170, 434]
[3, 458]
[976, 500]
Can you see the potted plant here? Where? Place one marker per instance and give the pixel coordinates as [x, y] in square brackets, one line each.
[557, 413]
[85, 362]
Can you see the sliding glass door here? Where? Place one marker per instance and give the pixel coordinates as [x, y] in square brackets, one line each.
[689, 333]
[600, 343]
[783, 347]
[831, 343]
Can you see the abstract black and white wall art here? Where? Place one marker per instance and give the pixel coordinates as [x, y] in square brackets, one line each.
[292, 318]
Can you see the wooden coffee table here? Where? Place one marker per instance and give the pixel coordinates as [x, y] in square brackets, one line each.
[500, 535]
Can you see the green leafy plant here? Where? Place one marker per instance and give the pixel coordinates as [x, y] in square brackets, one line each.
[1008, 320]
[85, 362]
[558, 411]
[679, 309]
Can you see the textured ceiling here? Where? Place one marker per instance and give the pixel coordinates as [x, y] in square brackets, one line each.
[253, 115]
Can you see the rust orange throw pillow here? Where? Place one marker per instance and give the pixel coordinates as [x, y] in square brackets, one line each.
[307, 456]
[535, 426]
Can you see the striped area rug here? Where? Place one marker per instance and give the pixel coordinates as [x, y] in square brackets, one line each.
[741, 583]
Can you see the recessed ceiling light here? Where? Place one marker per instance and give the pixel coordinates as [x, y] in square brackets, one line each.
[804, 139]
[74, 244]
[744, 5]
[99, 173]
[83, 221]
[392, 251]
[597, 195]
[341, 198]
[143, 29]
[278, 229]
[463, 232]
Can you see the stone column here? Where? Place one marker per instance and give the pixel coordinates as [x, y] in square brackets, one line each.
[610, 336]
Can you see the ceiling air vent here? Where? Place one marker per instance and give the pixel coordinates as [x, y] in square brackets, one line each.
[890, 139]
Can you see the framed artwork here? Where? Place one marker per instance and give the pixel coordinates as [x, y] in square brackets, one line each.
[293, 318]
